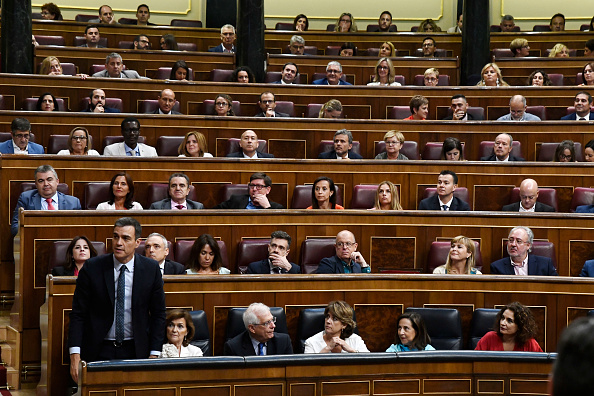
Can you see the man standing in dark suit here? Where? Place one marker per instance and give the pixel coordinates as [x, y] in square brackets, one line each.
[447, 182]
[276, 263]
[166, 103]
[289, 74]
[502, 149]
[249, 147]
[347, 259]
[258, 188]
[179, 189]
[519, 262]
[118, 309]
[583, 105]
[528, 197]
[459, 108]
[267, 104]
[157, 248]
[343, 143]
[227, 40]
[259, 338]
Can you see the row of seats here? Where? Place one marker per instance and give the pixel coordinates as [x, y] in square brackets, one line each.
[80, 40]
[127, 21]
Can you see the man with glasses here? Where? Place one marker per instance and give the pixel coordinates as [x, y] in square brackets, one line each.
[257, 197]
[142, 42]
[97, 102]
[428, 47]
[517, 111]
[227, 40]
[502, 148]
[528, 199]
[267, 104]
[130, 147]
[519, 262]
[179, 189]
[333, 75]
[259, 338]
[249, 147]
[276, 263]
[347, 259]
[297, 45]
[459, 108]
[20, 144]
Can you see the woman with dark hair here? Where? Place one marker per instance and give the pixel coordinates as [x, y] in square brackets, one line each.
[51, 12]
[180, 331]
[386, 197]
[411, 334]
[419, 107]
[331, 109]
[589, 151]
[180, 71]
[79, 143]
[323, 194]
[205, 257]
[588, 74]
[348, 49]
[121, 194]
[46, 102]
[337, 335]
[194, 145]
[223, 106]
[565, 152]
[516, 330]
[539, 78]
[451, 150]
[589, 47]
[242, 74]
[168, 42]
[461, 258]
[79, 251]
[301, 23]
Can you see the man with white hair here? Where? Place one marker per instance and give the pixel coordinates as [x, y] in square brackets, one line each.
[297, 45]
[528, 197]
[227, 40]
[157, 248]
[259, 337]
[517, 111]
[114, 68]
[333, 75]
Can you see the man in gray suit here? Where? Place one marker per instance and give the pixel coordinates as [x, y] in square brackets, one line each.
[130, 146]
[114, 68]
[179, 188]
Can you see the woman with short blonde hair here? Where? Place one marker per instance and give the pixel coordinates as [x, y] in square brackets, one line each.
[461, 258]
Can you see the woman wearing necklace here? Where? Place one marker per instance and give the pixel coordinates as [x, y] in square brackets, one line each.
[461, 258]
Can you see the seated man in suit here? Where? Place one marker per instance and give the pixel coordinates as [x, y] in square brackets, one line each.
[267, 104]
[347, 259]
[459, 108]
[384, 23]
[289, 74]
[249, 147]
[157, 248]
[257, 197]
[105, 16]
[588, 269]
[142, 16]
[114, 68]
[517, 111]
[343, 143]
[583, 105]
[507, 23]
[259, 338]
[502, 149]
[97, 103]
[45, 196]
[179, 188]
[130, 147]
[447, 182]
[528, 197]
[428, 47]
[166, 103]
[297, 45]
[227, 40]
[20, 128]
[519, 262]
[276, 263]
[92, 37]
[333, 75]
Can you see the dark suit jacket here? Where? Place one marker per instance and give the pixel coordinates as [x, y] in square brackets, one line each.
[165, 204]
[92, 312]
[173, 268]
[585, 209]
[573, 116]
[31, 200]
[219, 48]
[238, 201]
[262, 267]
[105, 110]
[7, 147]
[432, 203]
[324, 81]
[537, 265]
[173, 112]
[470, 117]
[333, 265]
[62, 271]
[540, 207]
[332, 155]
[588, 269]
[239, 154]
[241, 345]
[492, 157]
[276, 114]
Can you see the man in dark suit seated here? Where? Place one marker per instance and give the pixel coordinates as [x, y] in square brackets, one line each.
[588, 269]
[179, 189]
[92, 37]
[528, 197]
[249, 147]
[227, 40]
[118, 308]
[333, 75]
[583, 105]
[289, 74]
[97, 103]
[347, 259]
[156, 247]
[276, 263]
[447, 182]
[258, 188]
[519, 262]
[142, 16]
[166, 103]
[20, 144]
[459, 108]
[259, 338]
[45, 196]
[343, 143]
[502, 149]
[384, 23]
[267, 104]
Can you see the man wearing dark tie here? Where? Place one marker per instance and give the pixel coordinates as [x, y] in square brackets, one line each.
[582, 104]
[276, 263]
[179, 189]
[118, 309]
[157, 248]
[447, 182]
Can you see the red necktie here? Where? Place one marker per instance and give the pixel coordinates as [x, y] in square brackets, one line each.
[50, 206]
[180, 207]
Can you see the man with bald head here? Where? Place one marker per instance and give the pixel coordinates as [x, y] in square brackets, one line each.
[502, 148]
[528, 199]
[166, 103]
[249, 147]
[347, 259]
[517, 111]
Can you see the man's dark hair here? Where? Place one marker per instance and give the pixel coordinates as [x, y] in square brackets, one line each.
[91, 27]
[180, 175]
[386, 12]
[129, 221]
[572, 370]
[104, 5]
[268, 92]
[263, 176]
[281, 235]
[590, 44]
[459, 96]
[93, 91]
[137, 38]
[291, 63]
[429, 38]
[452, 173]
[585, 93]
[130, 119]
[143, 5]
[20, 124]
[555, 16]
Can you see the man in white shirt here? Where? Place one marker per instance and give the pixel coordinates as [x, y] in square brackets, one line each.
[156, 247]
[179, 189]
[227, 39]
[444, 200]
[343, 143]
[130, 147]
[166, 102]
[19, 144]
[583, 104]
[249, 147]
[289, 74]
[528, 197]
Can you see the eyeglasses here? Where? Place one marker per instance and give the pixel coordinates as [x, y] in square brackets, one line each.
[430, 79]
[267, 101]
[78, 138]
[22, 136]
[428, 45]
[517, 241]
[267, 323]
[347, 244]
[345, 20]
[222, 104]
[382, 68]
[565, 157]
[332, 71]
[390, 143]
[256, 186]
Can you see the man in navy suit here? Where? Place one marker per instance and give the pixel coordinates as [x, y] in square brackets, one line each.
[267, 104]
[528, 197]
[227, 40]
[118, 308]
[347, 259]
[20, 144]
[257, 197]
[259, 338]
[97, 103]
[157, 248]
[502, 148]
[289, 74]
[276, 263]
[447, 182]
[179, 189]
[582, 104]
[249, 147]
[519, 262]
[333, 74]
[343, 143]
[45, 197]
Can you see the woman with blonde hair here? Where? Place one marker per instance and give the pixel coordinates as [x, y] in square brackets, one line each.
[519, 47]
[559, 51]
[331, 109]
[384, 74]
[461, 258]
[491, 77]
[194, 145]
[345, 23]
[431, 77]
[394, 141]
[387, 50]
[79, 143]
[386, 197]
[428, 25]
[51, 66]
